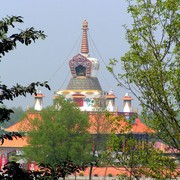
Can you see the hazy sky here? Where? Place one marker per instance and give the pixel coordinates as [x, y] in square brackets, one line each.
[61, 21]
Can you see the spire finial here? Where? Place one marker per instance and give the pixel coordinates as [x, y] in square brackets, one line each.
[84, 46]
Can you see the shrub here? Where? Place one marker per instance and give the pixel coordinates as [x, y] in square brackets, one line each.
[122, 176]
[95, 175]
[110, 175]
[81, 174]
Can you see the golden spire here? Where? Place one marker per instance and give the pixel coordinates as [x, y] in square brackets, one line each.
[84, 46]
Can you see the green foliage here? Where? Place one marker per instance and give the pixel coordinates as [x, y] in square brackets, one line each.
[18, 114]
[139, 158]
[62, 169]
[7, 43]
[137, 155]
[12, 170]
[81, 174]
[152, 65]
[60, 134]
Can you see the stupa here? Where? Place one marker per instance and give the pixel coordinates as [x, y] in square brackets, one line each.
[84, 87]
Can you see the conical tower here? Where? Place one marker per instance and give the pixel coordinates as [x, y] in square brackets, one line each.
[83, 68]
[38, 101]
[84, 87]
[84, 46]
[110, 101]
[127, 103]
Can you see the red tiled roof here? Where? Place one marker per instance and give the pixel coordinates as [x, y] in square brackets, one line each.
[139, 127]
[39, 95]
[110, 96]
[114, 171]
[24, 125]
[104, 171]
[19, 142]
[165, 148]
[127, 98]
[98, 124]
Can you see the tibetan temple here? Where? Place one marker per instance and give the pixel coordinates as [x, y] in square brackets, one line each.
[84, 89]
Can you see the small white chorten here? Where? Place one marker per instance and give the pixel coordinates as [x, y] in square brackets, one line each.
[110, 101]
[38, 101]
[127, 103]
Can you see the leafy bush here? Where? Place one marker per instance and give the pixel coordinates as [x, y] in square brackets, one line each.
[81, 174]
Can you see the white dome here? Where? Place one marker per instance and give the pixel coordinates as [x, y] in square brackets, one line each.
[94, 67]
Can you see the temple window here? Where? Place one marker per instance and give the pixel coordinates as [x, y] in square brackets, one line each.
[80, 70]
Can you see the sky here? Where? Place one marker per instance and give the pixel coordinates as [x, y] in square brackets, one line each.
[61, 21]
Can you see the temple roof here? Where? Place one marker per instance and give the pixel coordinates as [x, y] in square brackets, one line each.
[139, 127]
[81, 83]
[99, 124]
[15, 143]
[25, 124]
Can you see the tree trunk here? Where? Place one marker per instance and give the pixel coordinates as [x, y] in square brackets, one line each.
[90, 172]
[75, 175]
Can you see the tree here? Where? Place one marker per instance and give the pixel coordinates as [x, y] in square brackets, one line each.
[99, 129]
[60, 135]
[99, 124]
[7, 44]
[136, 155]
[151, 67]
[12, 170]
[139, 158]
[18, 114]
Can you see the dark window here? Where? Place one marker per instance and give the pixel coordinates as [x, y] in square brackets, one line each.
[80, 70]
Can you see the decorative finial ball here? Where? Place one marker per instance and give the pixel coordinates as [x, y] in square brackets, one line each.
[85, 24]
